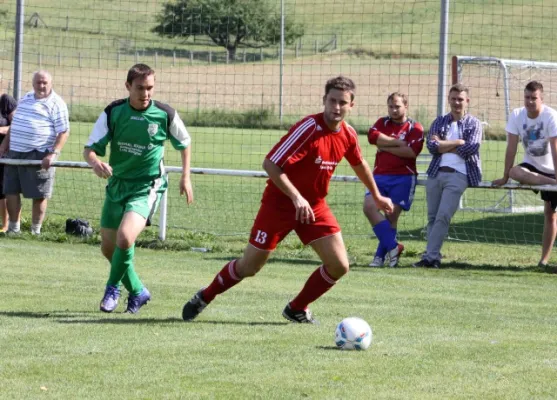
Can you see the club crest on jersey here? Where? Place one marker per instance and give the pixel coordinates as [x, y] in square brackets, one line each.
[152, 129]
[318, 160]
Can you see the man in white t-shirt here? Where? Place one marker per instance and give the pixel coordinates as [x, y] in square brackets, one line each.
[535, 125]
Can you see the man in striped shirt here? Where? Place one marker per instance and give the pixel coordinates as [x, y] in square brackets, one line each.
[300, 167]
[39, 130]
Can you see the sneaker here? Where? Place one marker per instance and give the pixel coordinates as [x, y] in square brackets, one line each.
[136, 302]
[193, 307]
[435, 264]
[377, 262]
[110, 299]
[423, 263]
[303, 316]
[394, 255]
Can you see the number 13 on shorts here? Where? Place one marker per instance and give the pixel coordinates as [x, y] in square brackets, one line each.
[260, 236]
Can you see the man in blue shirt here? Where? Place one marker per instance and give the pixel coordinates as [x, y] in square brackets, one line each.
[454, 141]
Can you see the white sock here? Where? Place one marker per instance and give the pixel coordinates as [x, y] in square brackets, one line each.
[36, 229]
[13, 226]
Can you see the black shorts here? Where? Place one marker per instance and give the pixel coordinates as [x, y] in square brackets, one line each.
[546, 196]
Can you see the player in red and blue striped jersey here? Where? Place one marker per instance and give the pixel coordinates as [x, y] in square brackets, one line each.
[300, 167]
[399, 141]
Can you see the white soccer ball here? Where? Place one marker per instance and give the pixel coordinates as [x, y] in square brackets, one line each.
[353, 334]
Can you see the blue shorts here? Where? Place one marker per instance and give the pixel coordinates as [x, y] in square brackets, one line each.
[399, 188]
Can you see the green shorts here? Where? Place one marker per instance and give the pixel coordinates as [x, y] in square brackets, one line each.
[122, 196]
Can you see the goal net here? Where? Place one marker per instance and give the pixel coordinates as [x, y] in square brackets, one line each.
[497, 87]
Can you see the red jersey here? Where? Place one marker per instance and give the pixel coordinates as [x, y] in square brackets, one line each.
[388, 164]
[308, 154]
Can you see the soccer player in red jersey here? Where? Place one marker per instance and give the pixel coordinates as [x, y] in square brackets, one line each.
[399, 141]
[300, 167]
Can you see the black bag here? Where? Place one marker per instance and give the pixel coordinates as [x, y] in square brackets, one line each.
[78, 227]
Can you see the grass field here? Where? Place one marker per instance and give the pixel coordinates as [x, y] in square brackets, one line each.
[383, 46]
[408, 27]
[481, 327]
[227, 205]
[475, 329]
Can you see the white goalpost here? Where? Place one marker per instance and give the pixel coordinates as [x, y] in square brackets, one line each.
[497, 86]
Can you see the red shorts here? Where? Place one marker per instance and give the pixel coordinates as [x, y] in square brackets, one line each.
[272, 225]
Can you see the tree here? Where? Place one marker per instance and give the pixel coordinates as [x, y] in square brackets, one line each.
[229, 23]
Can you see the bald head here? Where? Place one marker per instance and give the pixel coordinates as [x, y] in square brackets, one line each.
[42, 84]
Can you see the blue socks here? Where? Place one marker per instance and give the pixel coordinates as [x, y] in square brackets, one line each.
[387, 238]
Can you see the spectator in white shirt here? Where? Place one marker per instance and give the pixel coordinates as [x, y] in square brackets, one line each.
[535, 125]
[39, 130]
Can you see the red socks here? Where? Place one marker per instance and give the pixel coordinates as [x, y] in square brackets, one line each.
[224, 280]
[316, 286]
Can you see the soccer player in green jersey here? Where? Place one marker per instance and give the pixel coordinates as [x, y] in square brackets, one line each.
[136, 129]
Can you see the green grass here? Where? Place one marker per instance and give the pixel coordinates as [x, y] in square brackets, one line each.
[227, 205]
[385, 30]
[480, 328]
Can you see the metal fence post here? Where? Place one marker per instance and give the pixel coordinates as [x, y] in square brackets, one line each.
[162, 213]
[18, 59]
[443, 41]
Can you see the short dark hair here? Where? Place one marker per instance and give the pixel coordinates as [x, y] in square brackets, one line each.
[402, 96]
[139, 71]
[459, 87]
[341, 83]
[532, 86]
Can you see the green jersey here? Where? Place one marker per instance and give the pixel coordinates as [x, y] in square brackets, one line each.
[137, 138]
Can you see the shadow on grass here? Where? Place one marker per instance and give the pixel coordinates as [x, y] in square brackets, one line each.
[335, 348]
[467, 267]
[50, 314]
[158, 321]
[500, 228]
[76, 317]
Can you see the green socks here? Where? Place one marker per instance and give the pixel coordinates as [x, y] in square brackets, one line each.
[121, 269]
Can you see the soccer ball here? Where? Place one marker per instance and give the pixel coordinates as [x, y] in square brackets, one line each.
[353, 334]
